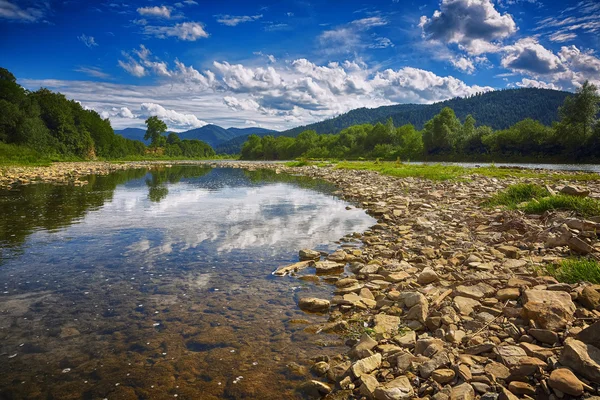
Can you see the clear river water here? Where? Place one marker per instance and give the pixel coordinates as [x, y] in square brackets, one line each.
[156, 284]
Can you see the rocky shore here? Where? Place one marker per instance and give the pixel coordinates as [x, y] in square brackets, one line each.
[446, 299]
[449, 300]
[65, 172]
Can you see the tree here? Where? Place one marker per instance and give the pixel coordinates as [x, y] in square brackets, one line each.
[440, 132]
[581, 110]
[155, 131]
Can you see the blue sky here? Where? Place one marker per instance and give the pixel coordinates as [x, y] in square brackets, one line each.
[280, 64]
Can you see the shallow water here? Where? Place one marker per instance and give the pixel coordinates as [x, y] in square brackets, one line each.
[552, 167]
[158, 284]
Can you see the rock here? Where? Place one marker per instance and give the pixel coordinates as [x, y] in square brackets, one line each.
[521, 388]
[314, 389]
[443, 376]
[582, 358]
[308, 254]
[509, 251]
[320, 368]
[565, 381]
[590, 297]
[439, 360]
[363, 348]
[406, 339]
[366, 365]
[549, 309]
[574, 191]
[544, 335]
[398, 389]
[591, 335]
[497, 370]
[480, 387]
[386, 324]
[465, 305]
[579, 246]
[462, 392]
[338, 256]
[328, 266]
[428, 275]
[411, 299]
[505, 394]
[313, 304]
[508, 294]
[368, 385]
[285, 270]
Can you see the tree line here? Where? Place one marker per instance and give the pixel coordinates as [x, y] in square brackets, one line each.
[60, 128]
[575, 137]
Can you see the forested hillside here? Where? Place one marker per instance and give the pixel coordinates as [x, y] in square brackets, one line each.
[576, 137]
[47, 124]
[498, 110]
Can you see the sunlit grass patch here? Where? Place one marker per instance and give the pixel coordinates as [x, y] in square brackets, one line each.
[517, 194]
[584, 206]
[11, 154]
[576, 270]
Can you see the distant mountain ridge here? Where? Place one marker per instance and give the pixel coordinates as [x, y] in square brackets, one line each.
[214, 135]
[498, 109]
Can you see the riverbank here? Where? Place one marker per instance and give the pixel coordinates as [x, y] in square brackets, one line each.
[448, 298]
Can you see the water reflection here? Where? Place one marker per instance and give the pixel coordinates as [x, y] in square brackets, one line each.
[150, 284]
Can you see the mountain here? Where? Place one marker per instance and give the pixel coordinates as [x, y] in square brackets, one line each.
[498, 109]
[132, 133]
[214, 135]
[234, 146]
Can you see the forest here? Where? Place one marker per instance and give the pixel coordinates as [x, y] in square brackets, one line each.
[51, 126]
[575, 137]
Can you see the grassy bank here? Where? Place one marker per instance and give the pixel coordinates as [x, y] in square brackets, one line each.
[439, 172]
[576, 270]
[534, 199]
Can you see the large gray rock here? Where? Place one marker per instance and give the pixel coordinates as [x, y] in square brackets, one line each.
[398, 389]
[582, 358]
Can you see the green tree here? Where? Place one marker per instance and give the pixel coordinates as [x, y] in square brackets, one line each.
[581, 109]
[154, 132]
[440, 132]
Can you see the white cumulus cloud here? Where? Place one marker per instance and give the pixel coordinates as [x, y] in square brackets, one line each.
[172, 116]
[156, 11]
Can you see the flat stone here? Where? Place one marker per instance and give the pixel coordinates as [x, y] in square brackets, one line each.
[368, 385]
[462, 392]
[565, 381]
[363, 348]
[509, 251]
[582, 358]
[339, 256]
[398, 389]
[328, 266]
[465, 305]
[386, 324]
[437, 361]
[544, 335]
[497, 370]
[443, 376]
[590, 297]
[308, 254]
[428, 275]
[550, 310]
[406, 339]
[521, 388]
[508, 294]
[366, 365]
[313, 304]
[591, 335]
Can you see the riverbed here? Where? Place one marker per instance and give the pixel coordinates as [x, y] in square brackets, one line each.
[156, 283]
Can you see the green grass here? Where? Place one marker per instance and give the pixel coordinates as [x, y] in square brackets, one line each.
[584, 206]
[534, 199]
[516, 194]
[576, 270]
[11, 154]
[439, 172]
